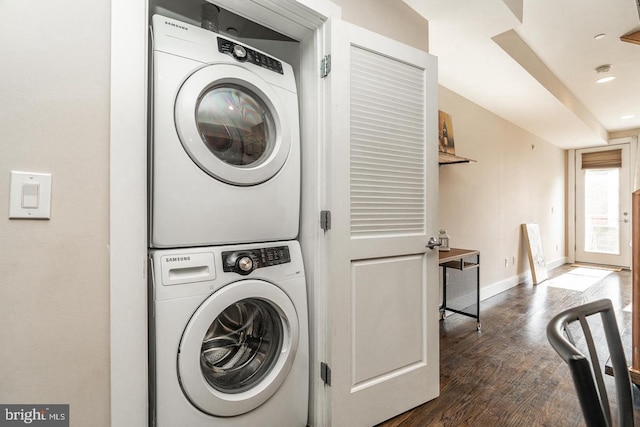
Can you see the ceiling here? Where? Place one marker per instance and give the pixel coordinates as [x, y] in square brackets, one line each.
[533, 63]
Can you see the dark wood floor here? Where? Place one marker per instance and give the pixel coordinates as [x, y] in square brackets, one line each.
[507, 374]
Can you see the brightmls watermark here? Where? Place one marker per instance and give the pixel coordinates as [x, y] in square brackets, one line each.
[34, 415]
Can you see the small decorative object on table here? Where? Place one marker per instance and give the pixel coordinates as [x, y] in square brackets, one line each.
[444, 241]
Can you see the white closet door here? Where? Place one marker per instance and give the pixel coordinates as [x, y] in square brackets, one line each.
[383, 182]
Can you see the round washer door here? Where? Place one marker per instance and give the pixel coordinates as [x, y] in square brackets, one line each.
[232, 124]
[238, 348]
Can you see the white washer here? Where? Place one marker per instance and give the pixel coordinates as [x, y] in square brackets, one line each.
[225, 150]
[229, 337]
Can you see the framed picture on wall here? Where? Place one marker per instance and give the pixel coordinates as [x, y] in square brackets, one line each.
[445, 133]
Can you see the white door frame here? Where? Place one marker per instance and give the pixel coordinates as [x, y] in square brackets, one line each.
[302, 20]
[128, 213]
[571, 186]
[623, 259]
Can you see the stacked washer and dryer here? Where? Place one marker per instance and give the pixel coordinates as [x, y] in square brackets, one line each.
[228, 301]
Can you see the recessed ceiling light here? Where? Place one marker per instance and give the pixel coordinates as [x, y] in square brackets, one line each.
[628, 116]
[600, 36]
[605, 79]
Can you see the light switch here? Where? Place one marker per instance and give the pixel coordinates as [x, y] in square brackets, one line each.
[30, 195]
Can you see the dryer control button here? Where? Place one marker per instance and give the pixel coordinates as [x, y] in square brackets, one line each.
[244, 264]
[239, 52]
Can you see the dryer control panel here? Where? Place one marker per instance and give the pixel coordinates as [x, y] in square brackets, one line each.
[245, 261]
[243, 53]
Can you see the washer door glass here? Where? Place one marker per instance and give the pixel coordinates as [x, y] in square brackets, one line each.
[238, 348]
[233, 124]
[241, 345]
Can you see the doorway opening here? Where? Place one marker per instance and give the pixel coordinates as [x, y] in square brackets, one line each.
[603, 219]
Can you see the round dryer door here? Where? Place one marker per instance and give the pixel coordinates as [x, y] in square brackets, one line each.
[231, 123]
[238, 348]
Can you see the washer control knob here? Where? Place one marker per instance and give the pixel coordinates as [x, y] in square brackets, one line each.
[244, 264]
[239, 52]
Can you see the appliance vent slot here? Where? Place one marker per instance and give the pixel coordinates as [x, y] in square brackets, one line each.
[387, 146]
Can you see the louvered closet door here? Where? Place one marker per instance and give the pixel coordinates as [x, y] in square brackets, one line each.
[383, 195]
[387, 147]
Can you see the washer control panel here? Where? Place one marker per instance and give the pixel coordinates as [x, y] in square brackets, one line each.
[243, 53]
[245, 261]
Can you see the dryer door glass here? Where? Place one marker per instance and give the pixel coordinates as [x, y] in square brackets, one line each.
[235, 125]
[241, 346]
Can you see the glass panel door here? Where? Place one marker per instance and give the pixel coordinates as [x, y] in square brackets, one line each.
[601, 211]
[603, 219]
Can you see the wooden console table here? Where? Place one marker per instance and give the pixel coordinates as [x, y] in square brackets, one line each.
[462, 260]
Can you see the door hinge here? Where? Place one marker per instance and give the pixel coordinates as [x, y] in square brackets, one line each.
[325, 220]
[325, 66]
[325, 373]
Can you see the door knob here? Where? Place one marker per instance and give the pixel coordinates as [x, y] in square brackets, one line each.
[433, 243]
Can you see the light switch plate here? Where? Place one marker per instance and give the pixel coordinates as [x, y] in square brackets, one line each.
[30, 195]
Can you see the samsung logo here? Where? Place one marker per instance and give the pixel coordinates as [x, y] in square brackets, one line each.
[182, 27]
[178, 259]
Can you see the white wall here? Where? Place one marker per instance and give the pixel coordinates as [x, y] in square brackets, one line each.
[54, 276]
[483, 204]
[391, 18]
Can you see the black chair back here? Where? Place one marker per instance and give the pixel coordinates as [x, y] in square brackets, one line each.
[587, 372]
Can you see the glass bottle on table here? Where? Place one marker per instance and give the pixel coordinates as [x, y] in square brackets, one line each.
[444, 241]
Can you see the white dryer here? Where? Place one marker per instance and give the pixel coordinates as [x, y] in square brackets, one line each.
[229, 337]
[225, 144]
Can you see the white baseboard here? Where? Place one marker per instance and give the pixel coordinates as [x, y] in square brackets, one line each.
[557, 263]
[498, 287]
[510, 282]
